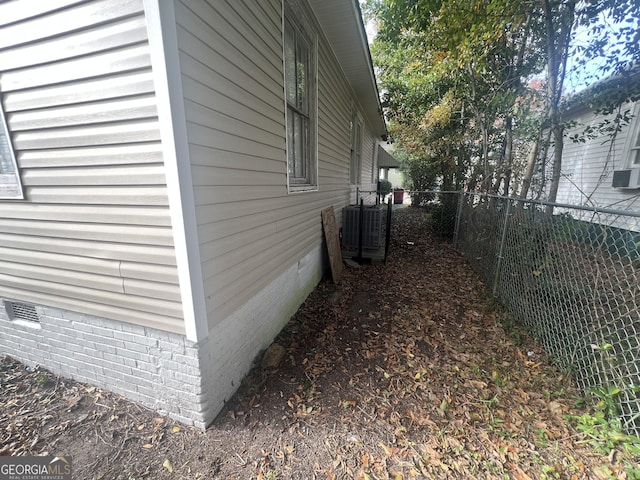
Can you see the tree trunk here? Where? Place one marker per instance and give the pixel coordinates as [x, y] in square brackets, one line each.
[503, 169]
[558, 37]
[558, 143]
[531, 166]
[482, 121]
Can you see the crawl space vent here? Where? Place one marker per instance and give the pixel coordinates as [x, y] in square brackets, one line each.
[22, 311]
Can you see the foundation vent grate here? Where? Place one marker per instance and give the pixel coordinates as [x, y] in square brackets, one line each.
[22, 311]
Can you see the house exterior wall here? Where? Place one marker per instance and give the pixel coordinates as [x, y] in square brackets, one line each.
[587, 167]
[93, 234]
[103, 244]
[368, 181]
[261, 247]
[250, 229]
[228, 353]
[157, 368]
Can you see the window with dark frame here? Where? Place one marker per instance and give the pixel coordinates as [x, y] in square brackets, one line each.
[299, 60]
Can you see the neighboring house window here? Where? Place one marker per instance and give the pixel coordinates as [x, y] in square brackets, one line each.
[635, 151]
[355, 167]
[301, 99]
[10, 186]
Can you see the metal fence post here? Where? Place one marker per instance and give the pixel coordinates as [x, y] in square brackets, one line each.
[496, 280]
[572, 279]
[456, 230]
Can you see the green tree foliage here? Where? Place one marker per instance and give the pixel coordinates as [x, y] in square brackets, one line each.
[455, 77]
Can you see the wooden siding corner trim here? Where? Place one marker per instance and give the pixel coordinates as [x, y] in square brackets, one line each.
[162, 33]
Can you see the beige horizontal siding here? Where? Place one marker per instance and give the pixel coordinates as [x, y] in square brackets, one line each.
[122, 60]
[54, 260]
[367, 159]
[136, 83]
[147, 255]
[250, 229]
[93, 295]
[229, 235]
[267, 264]
[203, 136]
[53, 276]
[234, 41]
[90, 175]
[99, 307]
[103, 214]
[82, 136]
[11, 12]
[139, 195]
[335, 109]
[201, 157]
[94, 233]
[125, 32]
[198, 49]
[112, 110]
[252, 129]
[92, 155]
[56, 23]
[161, 273]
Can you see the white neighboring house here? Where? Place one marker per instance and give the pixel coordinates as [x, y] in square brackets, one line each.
[163, 167]
[603, 170]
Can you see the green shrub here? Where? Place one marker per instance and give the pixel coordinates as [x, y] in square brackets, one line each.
[385, 187]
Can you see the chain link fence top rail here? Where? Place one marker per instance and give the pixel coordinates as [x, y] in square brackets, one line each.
[572, 278]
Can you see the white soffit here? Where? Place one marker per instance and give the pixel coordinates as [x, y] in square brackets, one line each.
[342, 24]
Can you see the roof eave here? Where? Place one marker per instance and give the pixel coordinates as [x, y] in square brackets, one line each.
[341, 22]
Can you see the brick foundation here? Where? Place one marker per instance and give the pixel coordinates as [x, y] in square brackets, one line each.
[156, 368]
[190, 382]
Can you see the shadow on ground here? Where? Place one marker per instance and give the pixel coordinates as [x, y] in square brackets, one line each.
[403, 370]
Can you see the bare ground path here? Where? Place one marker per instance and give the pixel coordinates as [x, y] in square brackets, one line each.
[401, 371]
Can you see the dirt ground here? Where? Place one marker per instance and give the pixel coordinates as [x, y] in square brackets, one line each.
[403, 370]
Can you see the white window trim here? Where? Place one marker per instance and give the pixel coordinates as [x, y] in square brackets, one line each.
[632, 156]
[294, 11]
[355, 175]
[10, 184]
[374, 162]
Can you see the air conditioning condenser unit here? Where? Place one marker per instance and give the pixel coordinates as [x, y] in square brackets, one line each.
[371, 227]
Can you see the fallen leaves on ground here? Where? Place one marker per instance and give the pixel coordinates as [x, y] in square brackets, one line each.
[401, 371]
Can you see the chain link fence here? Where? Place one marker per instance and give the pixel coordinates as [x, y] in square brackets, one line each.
[442, 207]
[570, 274]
